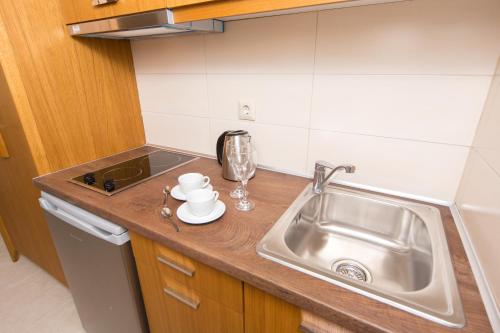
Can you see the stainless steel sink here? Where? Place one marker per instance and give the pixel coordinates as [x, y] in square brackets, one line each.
[390, 250]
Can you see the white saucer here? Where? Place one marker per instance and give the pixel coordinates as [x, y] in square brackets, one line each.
[179, 195]
[185, 215]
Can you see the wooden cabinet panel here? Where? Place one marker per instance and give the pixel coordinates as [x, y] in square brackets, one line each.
[64, 101]
[265, 313]
[7, 239]
[4, 152]
[206, 280]
[179, 303]
[181, 3]
[225, 8]
[312, 323]
[209, 316]
[84, 10]
[23, 218]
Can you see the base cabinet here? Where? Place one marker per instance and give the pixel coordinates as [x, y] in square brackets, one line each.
[182, 295]
[185, 296]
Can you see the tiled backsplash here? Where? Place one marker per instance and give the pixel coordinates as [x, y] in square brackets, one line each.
[396, 89]
[478, 198]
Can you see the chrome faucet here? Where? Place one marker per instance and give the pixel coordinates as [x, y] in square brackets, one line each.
[320, 176]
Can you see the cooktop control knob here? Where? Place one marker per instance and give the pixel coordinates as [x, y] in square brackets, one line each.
[89, 178]
[109, 185]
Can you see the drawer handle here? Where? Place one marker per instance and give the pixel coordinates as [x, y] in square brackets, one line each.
[177, 267]
[102, 2]
[181, 298]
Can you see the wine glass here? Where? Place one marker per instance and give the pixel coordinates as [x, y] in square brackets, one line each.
[237, 193]
[241, 157]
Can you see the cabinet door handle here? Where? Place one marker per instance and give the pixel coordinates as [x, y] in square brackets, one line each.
[4, 152]
[181, 298]
[183, 269]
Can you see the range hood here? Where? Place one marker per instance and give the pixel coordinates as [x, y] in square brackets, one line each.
[150, 24]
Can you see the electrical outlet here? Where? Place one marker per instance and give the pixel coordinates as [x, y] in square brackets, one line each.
[246, 110]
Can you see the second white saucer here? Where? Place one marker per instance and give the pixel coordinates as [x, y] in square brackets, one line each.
[185, 215]
[179, 195]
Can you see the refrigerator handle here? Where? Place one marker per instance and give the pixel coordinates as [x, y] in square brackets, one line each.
[51, 209]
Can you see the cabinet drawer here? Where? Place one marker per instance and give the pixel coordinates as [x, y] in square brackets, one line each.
[171, 265]
[84, 10]
[197, 276]
[192, 312]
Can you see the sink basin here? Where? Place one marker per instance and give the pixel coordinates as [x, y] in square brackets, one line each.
[391, 250]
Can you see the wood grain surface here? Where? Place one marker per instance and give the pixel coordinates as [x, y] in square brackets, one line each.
[24, 223]
[63, 101]
[4, 152]
[229, 244]
[181, 3]
[217, 297]
[7, 239]
[224, 8]
[82, 10]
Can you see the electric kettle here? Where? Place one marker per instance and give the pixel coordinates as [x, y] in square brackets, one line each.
[233, 137]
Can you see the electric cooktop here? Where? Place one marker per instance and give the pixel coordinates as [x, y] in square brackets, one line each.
[121, 176]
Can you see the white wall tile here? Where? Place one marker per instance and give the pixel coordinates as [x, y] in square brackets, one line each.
[281, 147]
[425, 169]
[279, 44]
[184, 94]
[278, 99]
[479, 205]
[429, 108]
[188, 133]
[182, 54]
[415, 71]
[416, 37]
[487, 140]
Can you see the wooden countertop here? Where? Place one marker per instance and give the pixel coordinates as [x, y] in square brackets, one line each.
[229, 244]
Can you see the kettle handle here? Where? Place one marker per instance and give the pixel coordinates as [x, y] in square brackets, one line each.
[220, 146]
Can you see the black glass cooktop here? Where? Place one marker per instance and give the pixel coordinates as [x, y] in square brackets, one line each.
[123, 175]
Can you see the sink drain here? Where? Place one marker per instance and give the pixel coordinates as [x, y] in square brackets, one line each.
[352, 270]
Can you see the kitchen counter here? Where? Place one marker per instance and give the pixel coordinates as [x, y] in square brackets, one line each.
[229, 244]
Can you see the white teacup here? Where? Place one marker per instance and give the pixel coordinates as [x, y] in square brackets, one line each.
[192, 181]
[201, 202]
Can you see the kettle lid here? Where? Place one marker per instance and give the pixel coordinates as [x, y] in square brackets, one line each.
[237, 133]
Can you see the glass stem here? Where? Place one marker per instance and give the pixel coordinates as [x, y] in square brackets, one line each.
[244, 188]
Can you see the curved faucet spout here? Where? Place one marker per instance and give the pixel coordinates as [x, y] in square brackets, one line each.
[320, 176]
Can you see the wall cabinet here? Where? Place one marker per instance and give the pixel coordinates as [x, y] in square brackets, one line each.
[87, 10]
[224, 8]
[181, 3]
[184, 296]
[75, 11]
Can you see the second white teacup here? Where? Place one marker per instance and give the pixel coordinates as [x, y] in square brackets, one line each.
[192, 181]
[201, 202]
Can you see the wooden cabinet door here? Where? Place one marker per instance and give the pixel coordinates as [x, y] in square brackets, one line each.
[175, 302]
[265, 313]
[21, 213]
[85, 10]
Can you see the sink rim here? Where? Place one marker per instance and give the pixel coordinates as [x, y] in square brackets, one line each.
[272, 246]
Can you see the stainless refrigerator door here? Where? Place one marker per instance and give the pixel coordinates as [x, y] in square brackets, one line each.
[102, 278]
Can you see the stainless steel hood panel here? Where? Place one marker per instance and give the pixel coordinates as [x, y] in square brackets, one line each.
[155, 23]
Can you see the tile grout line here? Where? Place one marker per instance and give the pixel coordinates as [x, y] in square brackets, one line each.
[308, 144]
[312, 129]
[323, 74]
[207, 92]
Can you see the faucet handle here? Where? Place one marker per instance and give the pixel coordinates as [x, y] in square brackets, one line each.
[323, 164]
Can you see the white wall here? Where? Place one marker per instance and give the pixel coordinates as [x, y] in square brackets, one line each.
[478, 198]
[396, 89]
